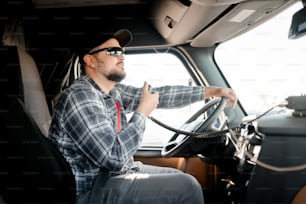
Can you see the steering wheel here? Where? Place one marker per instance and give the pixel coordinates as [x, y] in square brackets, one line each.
[178, 141]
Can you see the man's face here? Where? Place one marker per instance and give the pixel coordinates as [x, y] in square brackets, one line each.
[108, 65]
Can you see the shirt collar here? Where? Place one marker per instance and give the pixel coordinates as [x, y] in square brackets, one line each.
[112, 93]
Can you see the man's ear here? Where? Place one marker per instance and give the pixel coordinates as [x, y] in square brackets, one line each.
[88, 60]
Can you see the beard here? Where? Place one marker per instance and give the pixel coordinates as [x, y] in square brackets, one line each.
[116, 76]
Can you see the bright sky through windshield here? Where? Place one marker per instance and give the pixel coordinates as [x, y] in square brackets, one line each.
[264, 66]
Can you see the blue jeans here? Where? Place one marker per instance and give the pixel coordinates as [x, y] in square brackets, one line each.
[149, 185]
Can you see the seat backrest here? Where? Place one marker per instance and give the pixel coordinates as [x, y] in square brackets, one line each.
[33, 92]
[20, 78]
[32, 170]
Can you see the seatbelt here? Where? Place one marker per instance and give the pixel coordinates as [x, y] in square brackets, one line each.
[98, 187]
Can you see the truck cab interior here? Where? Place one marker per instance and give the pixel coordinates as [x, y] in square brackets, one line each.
[236, 157]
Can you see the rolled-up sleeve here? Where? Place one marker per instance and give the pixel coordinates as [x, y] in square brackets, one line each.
[169, 96]
[178, 96]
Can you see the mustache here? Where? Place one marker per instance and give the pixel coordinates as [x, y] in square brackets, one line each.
[120, 62]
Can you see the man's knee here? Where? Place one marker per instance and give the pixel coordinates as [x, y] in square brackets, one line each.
[189, 182]
[190, 187]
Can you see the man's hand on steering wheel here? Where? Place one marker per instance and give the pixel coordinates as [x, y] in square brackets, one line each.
[228, 93]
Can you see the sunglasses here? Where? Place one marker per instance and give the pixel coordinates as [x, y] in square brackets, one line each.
[111, 51]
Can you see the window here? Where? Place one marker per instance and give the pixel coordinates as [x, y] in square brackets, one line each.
[160, 69]
[264, 66]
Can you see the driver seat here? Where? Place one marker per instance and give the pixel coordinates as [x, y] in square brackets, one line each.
[32, 169]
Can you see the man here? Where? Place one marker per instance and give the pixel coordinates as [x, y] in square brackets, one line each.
[89, 127]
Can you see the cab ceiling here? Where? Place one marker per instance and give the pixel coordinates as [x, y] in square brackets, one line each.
[202, 23]
[81, 3]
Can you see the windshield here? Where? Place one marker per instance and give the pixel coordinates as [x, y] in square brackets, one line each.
[264, 66]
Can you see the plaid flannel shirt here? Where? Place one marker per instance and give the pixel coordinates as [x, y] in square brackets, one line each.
[84, 126]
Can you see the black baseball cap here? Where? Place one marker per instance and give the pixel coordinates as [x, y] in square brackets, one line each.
[124, 37]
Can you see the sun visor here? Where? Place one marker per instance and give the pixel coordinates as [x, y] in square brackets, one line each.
[243, 17]
[179, 21]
